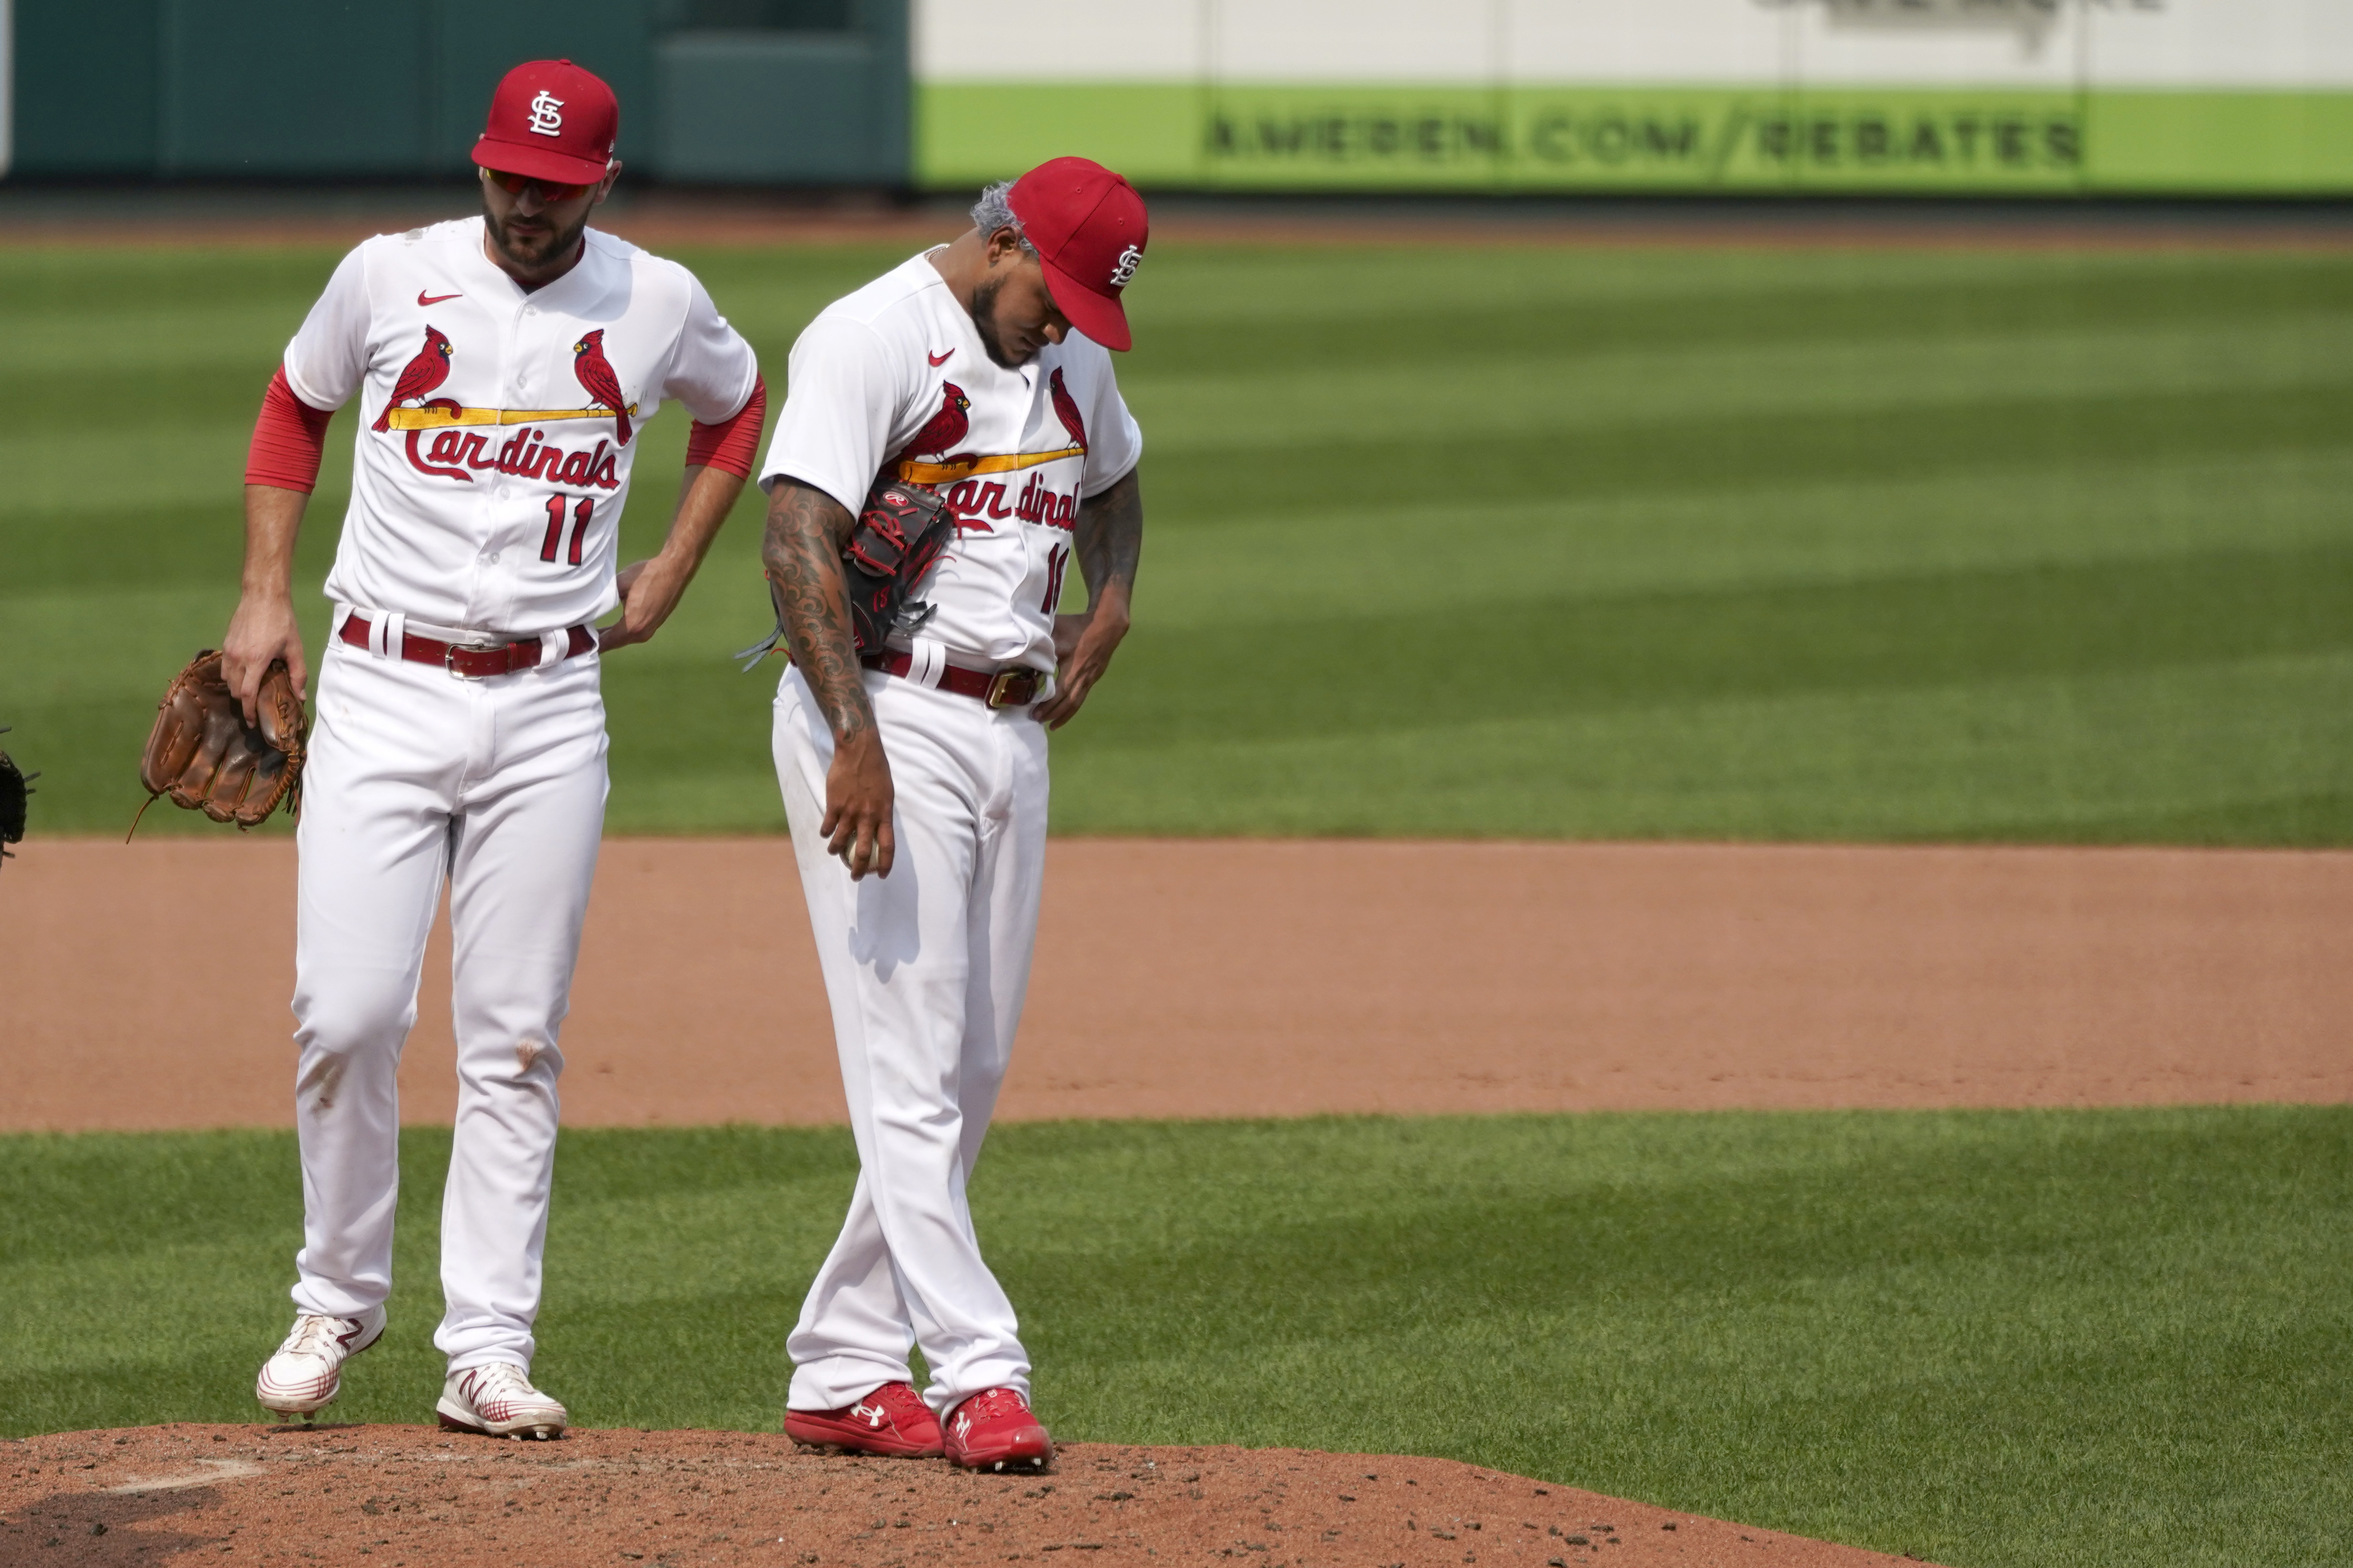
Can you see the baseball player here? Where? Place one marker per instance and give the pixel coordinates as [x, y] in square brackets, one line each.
[506, 367]
[914, 780]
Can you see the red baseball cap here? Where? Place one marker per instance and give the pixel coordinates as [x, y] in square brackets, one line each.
[1090, 229]
[551, 121]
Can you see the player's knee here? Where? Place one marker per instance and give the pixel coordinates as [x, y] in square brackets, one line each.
[537, 1060]
[345, 1060]
[353, 1020]
[509, 1058]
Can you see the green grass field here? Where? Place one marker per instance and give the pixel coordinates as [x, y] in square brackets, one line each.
[2033, 1339]
[1673, 543]
[1682, 542]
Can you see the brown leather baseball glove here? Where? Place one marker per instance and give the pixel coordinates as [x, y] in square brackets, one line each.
[208, 758]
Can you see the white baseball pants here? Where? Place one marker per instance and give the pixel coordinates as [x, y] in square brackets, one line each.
[498, 785]
[925, 970]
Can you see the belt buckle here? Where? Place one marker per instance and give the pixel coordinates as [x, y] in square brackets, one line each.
[449, 657]
[1001, 683]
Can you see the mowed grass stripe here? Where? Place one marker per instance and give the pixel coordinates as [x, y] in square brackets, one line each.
[1339, 673]
[1295, 408]
[87, 472]
[1555, 548]
[1256, 285]
[2250, 753]
[1561, 548]
[1736, 452]
[1988, 1338]
[1971, 670]
[182, 439]
[1515, 502]
[1859, 305]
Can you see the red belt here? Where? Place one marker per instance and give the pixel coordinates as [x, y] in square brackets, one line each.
[1016, 687]
[474, 660]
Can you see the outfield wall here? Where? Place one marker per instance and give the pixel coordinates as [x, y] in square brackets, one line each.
[723, 91]
[2239, 96]
[2024, 97]
[7, 87]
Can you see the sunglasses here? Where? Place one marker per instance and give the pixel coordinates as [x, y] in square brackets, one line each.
[549, 191]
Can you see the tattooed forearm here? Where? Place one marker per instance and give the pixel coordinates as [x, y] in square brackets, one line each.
[803, 557]
[1110, 537]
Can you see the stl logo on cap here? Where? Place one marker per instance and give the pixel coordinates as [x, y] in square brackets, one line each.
[551, 120]
[1087, 224]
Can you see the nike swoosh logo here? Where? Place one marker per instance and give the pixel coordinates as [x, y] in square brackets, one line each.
[425, 299]
[940, 358]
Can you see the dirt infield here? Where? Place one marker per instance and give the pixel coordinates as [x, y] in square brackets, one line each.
[411, 1495]
[1190, 978]
[1174, 979]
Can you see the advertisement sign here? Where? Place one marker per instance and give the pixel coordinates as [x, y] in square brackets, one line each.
[2024, 97]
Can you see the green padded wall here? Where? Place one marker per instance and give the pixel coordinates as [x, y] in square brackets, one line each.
[306, 90]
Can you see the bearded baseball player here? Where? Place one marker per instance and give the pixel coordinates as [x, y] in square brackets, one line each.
[506, 367]
[914, 776]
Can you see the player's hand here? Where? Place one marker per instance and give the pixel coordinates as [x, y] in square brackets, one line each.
[262, 632]
[858, 799]
[649, 591]
[1084, 644]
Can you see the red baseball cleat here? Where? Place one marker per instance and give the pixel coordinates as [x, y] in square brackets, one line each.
[893, 1421]
[993, 1429]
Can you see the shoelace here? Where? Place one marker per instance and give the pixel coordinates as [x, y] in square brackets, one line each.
[902, 1401]
[502, 1380]
[316, 1335]
[993, 1402]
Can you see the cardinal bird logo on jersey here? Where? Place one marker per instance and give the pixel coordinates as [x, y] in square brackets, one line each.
[588, 363]
[1066, 409]
[429, 370]
[943, 431]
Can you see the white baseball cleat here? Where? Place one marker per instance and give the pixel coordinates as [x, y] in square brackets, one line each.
[307, 1372]
[497, 1400]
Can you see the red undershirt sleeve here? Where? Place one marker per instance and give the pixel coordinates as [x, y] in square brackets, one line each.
[288, 439]
[732, 444]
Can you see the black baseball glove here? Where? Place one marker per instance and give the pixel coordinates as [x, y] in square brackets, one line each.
[15, 784]
[899, 533]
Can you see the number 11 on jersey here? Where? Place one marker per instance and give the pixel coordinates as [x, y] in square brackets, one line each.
[1055, 565]
[581, 511]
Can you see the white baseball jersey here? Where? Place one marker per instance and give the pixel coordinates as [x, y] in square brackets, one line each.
[895, 373]
[497, 427]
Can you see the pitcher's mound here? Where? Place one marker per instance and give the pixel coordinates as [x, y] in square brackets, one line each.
[411, 1496]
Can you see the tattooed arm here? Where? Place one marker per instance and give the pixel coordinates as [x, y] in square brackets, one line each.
[807, 529]
[1110, 542]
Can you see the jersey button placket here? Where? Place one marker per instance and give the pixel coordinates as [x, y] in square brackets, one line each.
[496, 501]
